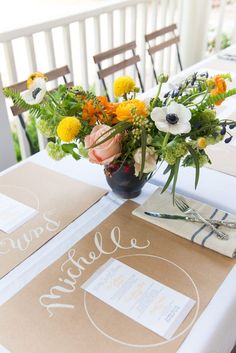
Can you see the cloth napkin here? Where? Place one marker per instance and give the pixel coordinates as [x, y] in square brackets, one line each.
[195, 232]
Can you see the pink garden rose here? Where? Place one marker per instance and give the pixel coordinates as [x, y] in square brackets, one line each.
[107, 151]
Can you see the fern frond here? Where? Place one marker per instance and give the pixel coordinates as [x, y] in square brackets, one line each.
[17, 100]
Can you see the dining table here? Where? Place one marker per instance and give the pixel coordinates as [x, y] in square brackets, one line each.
[215, 329]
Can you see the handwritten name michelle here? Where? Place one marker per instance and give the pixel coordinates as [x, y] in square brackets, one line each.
[75, 265]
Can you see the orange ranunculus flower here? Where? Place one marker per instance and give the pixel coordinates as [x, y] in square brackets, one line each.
[109, 111]
[220, 87]
[102, 110]
[103, 101]
[108, 107]
[90, 112]
[127, 110]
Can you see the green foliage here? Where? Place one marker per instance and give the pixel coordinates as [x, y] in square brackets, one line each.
[16, 146]
[174, 150]
[71, 148]
[156, 102]
[31, 129]
[143, 147]
[211, 100]
[83, 152]
[195, 156]
[55, 151]
[204, 123]
[170, 178]
[202, 159]
[176, 172]
[35, 110]
[224, 43]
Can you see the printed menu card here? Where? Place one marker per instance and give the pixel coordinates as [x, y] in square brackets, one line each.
[150, 303]
[35, 205]
[144, 281]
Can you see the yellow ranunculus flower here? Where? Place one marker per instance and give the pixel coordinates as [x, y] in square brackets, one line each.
[123, 85]
[127, 110]
[31, 78]
[68, 128]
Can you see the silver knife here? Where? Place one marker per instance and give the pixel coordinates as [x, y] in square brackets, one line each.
[191, 219]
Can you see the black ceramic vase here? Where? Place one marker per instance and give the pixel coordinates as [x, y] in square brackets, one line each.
[122, 180]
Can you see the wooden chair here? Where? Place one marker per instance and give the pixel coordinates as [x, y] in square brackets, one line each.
[105, 72]
[53, 75]
[161, 46]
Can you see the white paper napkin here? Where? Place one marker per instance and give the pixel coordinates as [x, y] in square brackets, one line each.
[195, 232]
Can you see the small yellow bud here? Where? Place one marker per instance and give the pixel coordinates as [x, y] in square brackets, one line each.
[210, 83]
[201, 143]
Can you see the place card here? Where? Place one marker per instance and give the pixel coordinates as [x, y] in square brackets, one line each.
[13, 214]
[143, 299]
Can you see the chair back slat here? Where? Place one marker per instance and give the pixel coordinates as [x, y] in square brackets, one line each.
[164, 45]
[110, 70]
[56, 73]
[117, 67]
[165, 37]
[113, 52]
[160, 32]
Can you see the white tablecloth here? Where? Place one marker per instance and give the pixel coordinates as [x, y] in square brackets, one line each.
[215, 330]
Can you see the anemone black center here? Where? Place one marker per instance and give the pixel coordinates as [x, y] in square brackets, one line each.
[36, 92]
[172, 119]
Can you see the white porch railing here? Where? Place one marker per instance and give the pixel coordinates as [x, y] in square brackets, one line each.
[224, 24]
[73, 40]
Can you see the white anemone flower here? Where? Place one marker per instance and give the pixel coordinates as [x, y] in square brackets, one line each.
[36, 92]
[173, 118]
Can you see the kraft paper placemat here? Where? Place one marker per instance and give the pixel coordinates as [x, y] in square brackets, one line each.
[59, 200]
[56, 316]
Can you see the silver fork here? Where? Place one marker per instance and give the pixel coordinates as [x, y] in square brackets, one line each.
[185, 208]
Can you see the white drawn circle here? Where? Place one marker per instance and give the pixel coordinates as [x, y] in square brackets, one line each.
[31, 193]
[153, 344]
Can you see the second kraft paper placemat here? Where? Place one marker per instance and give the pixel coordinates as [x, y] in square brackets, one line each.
[58, 199]
[56, 314]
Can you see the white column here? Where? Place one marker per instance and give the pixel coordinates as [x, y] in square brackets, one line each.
[7, 154]
[194, 28]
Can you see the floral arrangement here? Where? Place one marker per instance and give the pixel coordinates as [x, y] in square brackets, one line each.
[174, 128]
